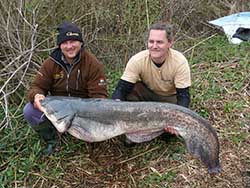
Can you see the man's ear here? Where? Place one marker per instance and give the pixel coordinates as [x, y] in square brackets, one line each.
[170, 43]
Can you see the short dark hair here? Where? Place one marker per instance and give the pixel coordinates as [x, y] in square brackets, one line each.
[168, 28]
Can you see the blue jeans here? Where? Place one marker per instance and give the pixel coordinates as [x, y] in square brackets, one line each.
[32, 115]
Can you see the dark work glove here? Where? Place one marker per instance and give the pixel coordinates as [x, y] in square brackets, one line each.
[122, 90]
[183, 96]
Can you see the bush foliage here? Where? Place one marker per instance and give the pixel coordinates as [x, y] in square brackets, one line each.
[113, 29]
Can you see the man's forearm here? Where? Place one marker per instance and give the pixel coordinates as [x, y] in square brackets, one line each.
[183, 96]
[122, 90]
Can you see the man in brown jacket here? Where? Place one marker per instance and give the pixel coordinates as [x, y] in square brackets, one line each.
[70, 70]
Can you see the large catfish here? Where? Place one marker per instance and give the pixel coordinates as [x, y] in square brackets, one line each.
[94, 120]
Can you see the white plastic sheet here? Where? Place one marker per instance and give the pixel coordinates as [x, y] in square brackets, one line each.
[231, 23]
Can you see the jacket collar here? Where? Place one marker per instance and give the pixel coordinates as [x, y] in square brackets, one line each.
[57, 56]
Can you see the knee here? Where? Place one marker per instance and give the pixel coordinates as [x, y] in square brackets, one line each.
[139, 86]
[27, 111]
[140, 92]
[32, 115]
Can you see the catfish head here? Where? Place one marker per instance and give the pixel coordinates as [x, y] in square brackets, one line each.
[60, 114]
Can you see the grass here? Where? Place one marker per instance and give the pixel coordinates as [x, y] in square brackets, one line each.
[220, 93]
[155, 179]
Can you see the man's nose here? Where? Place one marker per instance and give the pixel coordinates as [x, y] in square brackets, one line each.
[68, 44]
[154, 45]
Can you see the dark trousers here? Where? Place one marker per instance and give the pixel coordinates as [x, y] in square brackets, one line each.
[141, 92]
[32, 115]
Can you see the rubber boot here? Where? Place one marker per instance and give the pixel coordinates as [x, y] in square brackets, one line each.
[167, 137]
[126, 142]
[49, 134]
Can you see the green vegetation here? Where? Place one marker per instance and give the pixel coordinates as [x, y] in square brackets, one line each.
[114, 31]
[157, 180]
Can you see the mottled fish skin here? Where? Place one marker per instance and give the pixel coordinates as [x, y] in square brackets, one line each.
[96, 120]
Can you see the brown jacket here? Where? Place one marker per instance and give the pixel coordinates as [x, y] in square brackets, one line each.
[86, 79]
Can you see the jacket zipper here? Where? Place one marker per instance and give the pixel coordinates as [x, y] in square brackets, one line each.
[68, 74]
[77, 78]
[67, 84]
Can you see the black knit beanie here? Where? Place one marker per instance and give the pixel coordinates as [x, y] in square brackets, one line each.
[68, 31]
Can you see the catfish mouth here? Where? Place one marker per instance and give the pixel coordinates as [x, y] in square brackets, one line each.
[61, 124]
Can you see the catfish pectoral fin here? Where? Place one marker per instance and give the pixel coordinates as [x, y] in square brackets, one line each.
[80, 133]
[141, 136]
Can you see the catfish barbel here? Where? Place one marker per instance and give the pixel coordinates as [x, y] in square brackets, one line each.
[95, 120]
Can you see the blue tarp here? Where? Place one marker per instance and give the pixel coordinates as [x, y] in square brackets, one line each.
[235, 26]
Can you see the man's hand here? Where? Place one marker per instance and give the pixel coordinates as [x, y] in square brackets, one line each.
[171, 130]
[37, 101]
